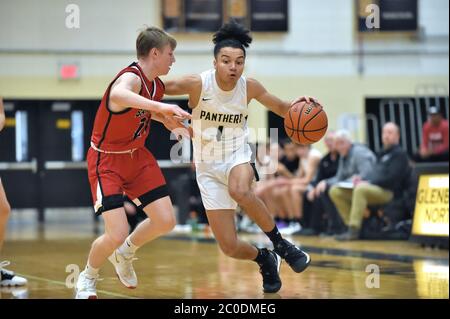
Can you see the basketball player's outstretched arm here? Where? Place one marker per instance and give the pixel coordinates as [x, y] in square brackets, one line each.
[2, 115]
[187, 85]
[124, 93]
[256, 90]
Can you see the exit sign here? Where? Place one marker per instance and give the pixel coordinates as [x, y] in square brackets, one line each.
[69, 71]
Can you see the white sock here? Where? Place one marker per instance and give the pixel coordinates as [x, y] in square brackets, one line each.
[128, 248]
[91, 271]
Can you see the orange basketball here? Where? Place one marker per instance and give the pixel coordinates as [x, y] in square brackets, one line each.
[306, 123]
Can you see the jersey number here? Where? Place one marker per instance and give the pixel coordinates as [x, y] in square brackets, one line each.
[142, 127]
[219, 133]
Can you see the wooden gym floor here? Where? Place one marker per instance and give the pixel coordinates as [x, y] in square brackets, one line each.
[191, 266]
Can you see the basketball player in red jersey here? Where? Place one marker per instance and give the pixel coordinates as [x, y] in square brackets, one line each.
[219, 99]
[7, 277]
[119, 163]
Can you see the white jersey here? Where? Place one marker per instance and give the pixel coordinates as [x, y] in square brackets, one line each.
[219, 121]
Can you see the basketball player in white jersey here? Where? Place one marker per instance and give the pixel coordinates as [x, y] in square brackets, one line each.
[219, 99]
[7, 277]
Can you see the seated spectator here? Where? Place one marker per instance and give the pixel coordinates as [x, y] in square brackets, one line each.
[309, 163]
[377, 185]
[355, 161]
[287, 191]
[315, 212]
[289, 162]
[267, 158]
[287, 168]
[394, 219]
[434, 146]
[272, 189]
[186, 194]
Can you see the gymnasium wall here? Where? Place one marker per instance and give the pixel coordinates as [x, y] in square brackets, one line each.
[321, 55]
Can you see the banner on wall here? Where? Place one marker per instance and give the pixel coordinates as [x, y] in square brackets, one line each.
[431, 212]
[387, 15]
[209, 15]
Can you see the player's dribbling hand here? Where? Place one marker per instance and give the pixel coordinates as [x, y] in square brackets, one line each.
[307, 99]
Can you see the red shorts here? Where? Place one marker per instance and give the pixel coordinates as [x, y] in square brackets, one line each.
[112, 176]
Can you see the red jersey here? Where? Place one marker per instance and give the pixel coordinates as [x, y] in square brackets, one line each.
[435, 138]
[126, 130]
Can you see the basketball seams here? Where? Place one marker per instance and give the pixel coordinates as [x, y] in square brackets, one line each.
[308, 131]
[298, 120]
[307, 122]
[320, 117]
[312, 118]
[313, 141]
[292, 122]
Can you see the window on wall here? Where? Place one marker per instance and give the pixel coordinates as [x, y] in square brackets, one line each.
[77, 135]
[21, 136]
[209, 15]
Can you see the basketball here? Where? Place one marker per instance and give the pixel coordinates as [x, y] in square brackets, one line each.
[306, 123]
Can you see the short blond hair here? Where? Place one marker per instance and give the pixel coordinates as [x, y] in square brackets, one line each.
[153, 37]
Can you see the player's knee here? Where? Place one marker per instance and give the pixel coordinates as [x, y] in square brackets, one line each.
[240, 194]
[229, 248]
[117, 238]
[5, 209]
[168, 223]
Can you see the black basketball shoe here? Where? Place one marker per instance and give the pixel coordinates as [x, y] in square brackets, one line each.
[270, 271]
[8, 278]
[294, 256]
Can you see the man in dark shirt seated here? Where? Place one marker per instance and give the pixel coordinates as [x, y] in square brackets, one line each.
[328, 164]
[378, 188]
[317, 213]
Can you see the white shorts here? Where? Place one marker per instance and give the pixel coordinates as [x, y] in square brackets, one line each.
[212, 179]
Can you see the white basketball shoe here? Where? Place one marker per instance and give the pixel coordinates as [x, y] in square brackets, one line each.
[86, 286]
[123, 265]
